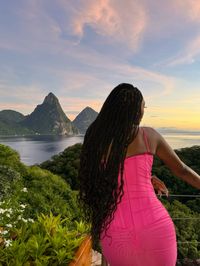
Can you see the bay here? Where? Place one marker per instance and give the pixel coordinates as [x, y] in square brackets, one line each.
[39, 148]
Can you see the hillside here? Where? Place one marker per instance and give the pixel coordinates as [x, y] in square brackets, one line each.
[49, 118]
[10, 123]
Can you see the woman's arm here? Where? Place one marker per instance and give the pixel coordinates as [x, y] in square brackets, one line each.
[174, 163]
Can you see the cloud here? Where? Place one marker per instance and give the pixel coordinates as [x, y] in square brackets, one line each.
[185, 21]
[188, 54]
[30, 28]
[166, 84]
[191, 9]
[101, 73]
[36, 26]
[111, 19]
[20, 97]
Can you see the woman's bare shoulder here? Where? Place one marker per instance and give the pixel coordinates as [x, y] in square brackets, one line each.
[165, 152]
[153, 138]
[152, 132]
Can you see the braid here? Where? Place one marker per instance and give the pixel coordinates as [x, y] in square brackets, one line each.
[115, 127]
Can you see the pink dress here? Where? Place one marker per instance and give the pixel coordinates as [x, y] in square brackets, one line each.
[142, 231]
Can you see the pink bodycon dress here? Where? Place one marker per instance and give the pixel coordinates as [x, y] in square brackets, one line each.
[142, 232]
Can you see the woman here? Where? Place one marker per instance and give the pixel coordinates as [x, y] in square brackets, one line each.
[116, 192]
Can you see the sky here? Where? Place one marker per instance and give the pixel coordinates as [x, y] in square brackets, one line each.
[81, 49]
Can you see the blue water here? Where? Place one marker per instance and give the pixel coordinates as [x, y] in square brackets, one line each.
[36, 149]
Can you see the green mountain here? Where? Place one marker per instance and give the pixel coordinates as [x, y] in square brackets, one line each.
[49, 118]
[84, 119]
[10, 115]
[9, 123]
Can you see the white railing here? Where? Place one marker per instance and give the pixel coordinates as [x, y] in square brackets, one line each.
[179, 195]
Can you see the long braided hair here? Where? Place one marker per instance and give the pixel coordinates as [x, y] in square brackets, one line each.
[114, 128]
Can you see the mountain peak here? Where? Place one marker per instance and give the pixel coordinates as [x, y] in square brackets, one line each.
[51, 99]
[84, 119]
[88, 108]
[49, 118]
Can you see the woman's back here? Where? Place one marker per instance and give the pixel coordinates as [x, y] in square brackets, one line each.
[141, 143]
[142, 232]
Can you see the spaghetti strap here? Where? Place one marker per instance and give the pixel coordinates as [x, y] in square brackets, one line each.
[146, 140]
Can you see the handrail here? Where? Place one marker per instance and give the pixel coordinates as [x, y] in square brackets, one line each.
[180, 195]
[180, 218]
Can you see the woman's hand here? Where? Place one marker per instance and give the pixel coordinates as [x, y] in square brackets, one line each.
[159, 186]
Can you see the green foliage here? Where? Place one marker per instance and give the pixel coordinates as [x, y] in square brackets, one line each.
[11, 158]
[66, 165]
[11, 205]
[194, 204]
[46, 190]
[52, 192]
[50, 240]
[187, 229]
[9, 179]
[27, 192]
[49, 192]
[191, 156]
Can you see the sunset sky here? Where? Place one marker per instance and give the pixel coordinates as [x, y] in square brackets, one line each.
[80, 50]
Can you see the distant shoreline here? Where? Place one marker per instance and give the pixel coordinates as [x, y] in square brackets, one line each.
[161, 130]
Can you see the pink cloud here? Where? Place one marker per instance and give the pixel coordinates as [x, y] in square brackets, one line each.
[190, 8]
[122, 22]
